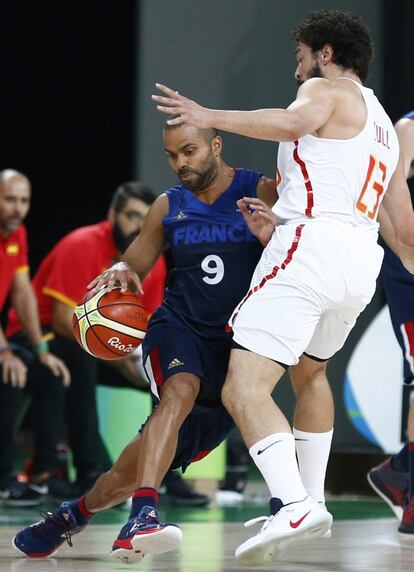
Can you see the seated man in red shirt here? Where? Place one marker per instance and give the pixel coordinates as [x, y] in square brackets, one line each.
[34, 367]
[60, 283]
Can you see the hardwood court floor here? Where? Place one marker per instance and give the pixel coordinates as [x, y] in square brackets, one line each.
[356, 545]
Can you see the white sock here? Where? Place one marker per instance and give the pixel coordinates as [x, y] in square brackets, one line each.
[313, 453]
[275, 457]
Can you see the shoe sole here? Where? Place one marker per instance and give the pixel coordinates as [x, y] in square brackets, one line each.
[396, 509]
[169, 538]
[21, 553]
[274, 545]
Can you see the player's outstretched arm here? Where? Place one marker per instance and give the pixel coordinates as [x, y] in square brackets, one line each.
[310, 111]
[140, 256]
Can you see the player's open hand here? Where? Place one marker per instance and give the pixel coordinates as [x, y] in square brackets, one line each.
[260, 218]
[120, 274]
[14, 370]
[189, 111]
[56, 366]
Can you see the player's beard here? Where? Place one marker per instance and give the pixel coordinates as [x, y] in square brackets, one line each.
[314, 72]
[122, 240]
[203, 178]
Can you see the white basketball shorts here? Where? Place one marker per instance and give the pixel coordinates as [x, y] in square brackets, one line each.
[309, 287]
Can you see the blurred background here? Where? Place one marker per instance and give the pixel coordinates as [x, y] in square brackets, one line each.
[77, 79]
[77, 119]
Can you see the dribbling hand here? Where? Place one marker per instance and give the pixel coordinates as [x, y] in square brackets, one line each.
[120, 274]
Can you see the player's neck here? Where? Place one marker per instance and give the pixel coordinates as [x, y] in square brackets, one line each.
[336, 72]
[221, 183]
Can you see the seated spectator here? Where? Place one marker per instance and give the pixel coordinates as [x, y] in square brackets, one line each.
[33, 368]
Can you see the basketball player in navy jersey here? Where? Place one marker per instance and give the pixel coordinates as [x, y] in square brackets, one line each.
[393, 480]
[186, 349]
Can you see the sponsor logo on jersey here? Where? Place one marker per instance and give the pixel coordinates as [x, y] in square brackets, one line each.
[181, 216]
[175, 363]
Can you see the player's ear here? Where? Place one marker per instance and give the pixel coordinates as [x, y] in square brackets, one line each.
[217, 145]
[326, 54]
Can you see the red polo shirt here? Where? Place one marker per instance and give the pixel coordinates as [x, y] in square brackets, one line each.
[13, 259]
[74, 262]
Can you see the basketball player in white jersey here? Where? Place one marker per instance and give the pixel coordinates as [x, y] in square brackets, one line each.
[338, 162]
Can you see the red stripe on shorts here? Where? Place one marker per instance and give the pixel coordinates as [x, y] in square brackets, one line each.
[275, 270]
[306, 179]
[200, 456]
[156, 366]
[409, 330]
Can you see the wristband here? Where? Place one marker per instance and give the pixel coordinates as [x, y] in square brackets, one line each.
[5, 349]
[41, 348]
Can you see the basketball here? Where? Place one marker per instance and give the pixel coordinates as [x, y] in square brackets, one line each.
[110, 325]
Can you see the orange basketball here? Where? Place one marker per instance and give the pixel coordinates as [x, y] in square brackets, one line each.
[110, 325]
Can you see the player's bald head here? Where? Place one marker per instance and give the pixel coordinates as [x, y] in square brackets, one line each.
[208, 134]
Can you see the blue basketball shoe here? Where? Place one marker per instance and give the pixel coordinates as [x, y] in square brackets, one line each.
[43, 538]
[392, 486]
[145, 534]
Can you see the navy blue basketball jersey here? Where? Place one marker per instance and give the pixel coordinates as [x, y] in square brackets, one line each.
[214, 254]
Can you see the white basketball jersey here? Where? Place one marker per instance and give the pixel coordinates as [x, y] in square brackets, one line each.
[338, 179]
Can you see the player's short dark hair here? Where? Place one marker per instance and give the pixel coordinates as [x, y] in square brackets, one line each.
[207, 133]
[347, 34]
[131, 190]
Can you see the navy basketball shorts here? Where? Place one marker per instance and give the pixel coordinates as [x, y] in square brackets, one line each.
[170, 346]
[399, 290]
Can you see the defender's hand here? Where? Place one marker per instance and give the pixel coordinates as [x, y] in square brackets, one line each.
[175, 104]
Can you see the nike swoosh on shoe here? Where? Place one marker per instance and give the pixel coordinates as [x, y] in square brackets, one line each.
[298, 522]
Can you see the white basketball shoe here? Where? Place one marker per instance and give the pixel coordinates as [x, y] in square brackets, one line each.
[294, 522]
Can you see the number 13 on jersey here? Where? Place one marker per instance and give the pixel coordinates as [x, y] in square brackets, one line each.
[369, 198]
